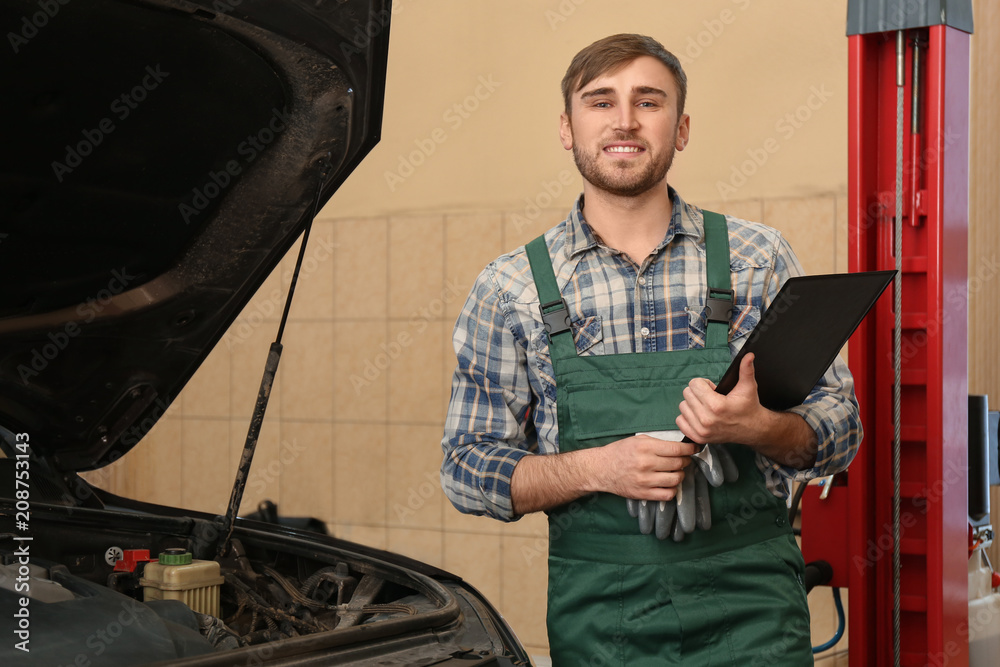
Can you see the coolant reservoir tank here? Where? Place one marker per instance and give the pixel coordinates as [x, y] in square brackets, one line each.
[177, 576]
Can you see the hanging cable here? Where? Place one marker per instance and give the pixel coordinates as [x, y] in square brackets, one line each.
[897, 344]
[840, 625]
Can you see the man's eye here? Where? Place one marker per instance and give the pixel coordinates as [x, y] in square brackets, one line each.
[647, 104]
[602, 105]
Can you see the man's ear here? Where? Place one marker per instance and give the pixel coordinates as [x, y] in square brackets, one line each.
[683, 132]
[565, 131]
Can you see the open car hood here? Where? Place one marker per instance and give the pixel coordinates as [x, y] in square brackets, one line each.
[160, 157]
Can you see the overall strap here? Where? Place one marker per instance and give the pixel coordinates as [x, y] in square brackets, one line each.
[555, 313]
[719, 300]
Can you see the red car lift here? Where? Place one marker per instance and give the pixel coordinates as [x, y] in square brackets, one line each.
[852, 528]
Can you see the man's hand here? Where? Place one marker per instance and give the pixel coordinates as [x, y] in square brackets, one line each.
[640, 467]
[708, 417]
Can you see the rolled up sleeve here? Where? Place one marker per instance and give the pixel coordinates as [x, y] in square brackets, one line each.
[485, 427]
[830, 409]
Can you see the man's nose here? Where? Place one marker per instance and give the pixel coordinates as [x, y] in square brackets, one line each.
[626, 118]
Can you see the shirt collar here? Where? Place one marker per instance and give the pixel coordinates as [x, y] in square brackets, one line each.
[684, 219]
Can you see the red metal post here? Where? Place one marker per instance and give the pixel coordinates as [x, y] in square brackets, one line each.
[934, 429]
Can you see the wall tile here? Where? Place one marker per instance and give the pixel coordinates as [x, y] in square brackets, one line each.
[417, 390]
[207, 392]
[361, 360]
[313, 298]
[306, 457]
[823, 620]
[449, 362]
[475, 558]
[518, 229]
[248, 354]
[539, 656]
[416, 264]
[455, 521]
[206, 476]
[523, 590]
[306, 371]
[744, 209]
[840, 234]
[808, 224]
[116, 476]
[424, 545]
[376, 537]
[156, 463]
[360, 268]
[360, 474]
[415, 498]
[264, 481]
[471, 242]
[530, 525]
[268, 300]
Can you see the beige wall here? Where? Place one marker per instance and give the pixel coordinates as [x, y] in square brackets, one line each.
[780, 56]
[352, 433]
[984, 232]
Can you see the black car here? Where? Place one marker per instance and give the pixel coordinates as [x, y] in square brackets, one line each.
[159, 158]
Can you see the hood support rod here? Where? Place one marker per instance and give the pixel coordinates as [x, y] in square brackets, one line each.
[264, 393]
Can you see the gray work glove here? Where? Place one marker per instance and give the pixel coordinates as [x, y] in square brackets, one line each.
[691, 508]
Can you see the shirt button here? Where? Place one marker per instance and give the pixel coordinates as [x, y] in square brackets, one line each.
[779, 521]
[642, 280]
[644, 331]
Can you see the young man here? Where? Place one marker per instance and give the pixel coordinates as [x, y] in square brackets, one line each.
[615, 323]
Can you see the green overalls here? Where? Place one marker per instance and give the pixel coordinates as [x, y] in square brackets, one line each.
[732, 595]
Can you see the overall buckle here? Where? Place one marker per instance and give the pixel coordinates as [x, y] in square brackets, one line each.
[555, 316]
[717, 308]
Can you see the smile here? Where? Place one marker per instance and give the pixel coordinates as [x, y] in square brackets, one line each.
[624, 149]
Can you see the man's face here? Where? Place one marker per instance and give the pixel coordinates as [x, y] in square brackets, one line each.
[624, 128]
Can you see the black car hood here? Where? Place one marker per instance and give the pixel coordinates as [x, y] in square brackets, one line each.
[159, 158]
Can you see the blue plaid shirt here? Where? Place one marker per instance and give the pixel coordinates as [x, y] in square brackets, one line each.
[503, 395]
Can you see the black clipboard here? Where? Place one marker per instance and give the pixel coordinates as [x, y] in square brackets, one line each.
[801, 332]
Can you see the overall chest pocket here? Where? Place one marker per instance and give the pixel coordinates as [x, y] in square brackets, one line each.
[644, 394]
[742, 321]
[587, 333]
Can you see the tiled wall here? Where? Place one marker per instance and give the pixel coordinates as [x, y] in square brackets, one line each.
[354, 424]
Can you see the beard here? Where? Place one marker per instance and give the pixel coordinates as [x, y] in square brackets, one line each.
[621, 177]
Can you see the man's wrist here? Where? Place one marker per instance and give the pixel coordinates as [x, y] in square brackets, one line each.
[784, 437]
